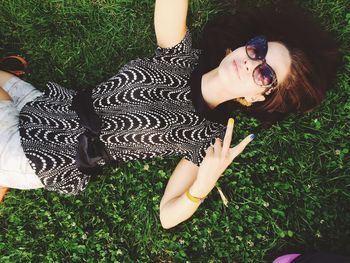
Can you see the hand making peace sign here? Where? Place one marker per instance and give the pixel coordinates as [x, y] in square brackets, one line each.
[218, 157]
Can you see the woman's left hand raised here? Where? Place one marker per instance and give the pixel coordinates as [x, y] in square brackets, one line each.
[218, 157]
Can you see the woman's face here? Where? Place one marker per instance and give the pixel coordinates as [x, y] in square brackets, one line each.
[236, 71]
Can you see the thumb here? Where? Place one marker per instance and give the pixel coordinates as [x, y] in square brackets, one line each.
[240, 147]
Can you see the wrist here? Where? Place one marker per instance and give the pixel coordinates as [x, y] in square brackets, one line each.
[194, 199]
[198, 189]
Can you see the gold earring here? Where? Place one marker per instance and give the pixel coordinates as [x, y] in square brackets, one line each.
[244, 102]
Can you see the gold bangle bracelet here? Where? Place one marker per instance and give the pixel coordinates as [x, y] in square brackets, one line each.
[193, 198]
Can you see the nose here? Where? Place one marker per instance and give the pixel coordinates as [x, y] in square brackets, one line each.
[250, 65]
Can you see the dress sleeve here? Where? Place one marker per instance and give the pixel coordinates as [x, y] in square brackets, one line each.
[184, 47]
[197, 155]
[197, 152]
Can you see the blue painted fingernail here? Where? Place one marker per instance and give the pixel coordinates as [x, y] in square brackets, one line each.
[252, 136]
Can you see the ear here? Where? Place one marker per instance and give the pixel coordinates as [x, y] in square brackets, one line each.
[255, 98]
[228, 51]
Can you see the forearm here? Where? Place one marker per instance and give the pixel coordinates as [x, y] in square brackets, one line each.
[177, 210]
[181, 207]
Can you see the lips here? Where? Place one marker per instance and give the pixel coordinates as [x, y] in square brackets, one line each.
[235, 67]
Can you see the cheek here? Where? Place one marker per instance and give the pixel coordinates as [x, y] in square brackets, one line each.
[249, 88]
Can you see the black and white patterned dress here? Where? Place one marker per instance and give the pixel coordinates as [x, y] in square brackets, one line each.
[146, 112]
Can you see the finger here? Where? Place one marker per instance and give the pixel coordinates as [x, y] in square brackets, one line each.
[209, 151]
[240, 147]
[228, 135]
[217, 146]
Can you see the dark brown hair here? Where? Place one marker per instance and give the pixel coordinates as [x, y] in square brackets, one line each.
[314, 52]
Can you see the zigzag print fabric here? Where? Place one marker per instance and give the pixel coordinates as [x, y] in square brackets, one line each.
[146, 112]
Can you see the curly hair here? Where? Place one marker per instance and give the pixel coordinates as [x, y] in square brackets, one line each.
[314, 52]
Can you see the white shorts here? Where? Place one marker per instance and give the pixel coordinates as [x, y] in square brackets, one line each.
[15, 170]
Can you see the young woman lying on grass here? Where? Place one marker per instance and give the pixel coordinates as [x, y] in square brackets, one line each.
[177, 102]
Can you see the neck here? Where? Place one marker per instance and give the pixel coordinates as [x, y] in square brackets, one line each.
[212, 89]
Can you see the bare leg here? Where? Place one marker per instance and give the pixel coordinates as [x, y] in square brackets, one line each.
[3, 191]
[4, 77]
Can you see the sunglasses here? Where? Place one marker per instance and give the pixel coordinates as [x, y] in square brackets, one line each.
[263, 74]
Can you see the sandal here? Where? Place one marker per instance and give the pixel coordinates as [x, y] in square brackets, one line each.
[15, 65]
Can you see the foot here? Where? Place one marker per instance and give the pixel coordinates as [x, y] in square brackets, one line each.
[3, 191]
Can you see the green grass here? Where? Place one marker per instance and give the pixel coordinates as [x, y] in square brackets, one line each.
[289, 191]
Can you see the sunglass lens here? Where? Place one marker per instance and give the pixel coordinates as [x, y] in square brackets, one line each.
[264, 75]
[256, 48]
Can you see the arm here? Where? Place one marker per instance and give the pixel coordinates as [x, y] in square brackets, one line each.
[175, 206]
[170, 21]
